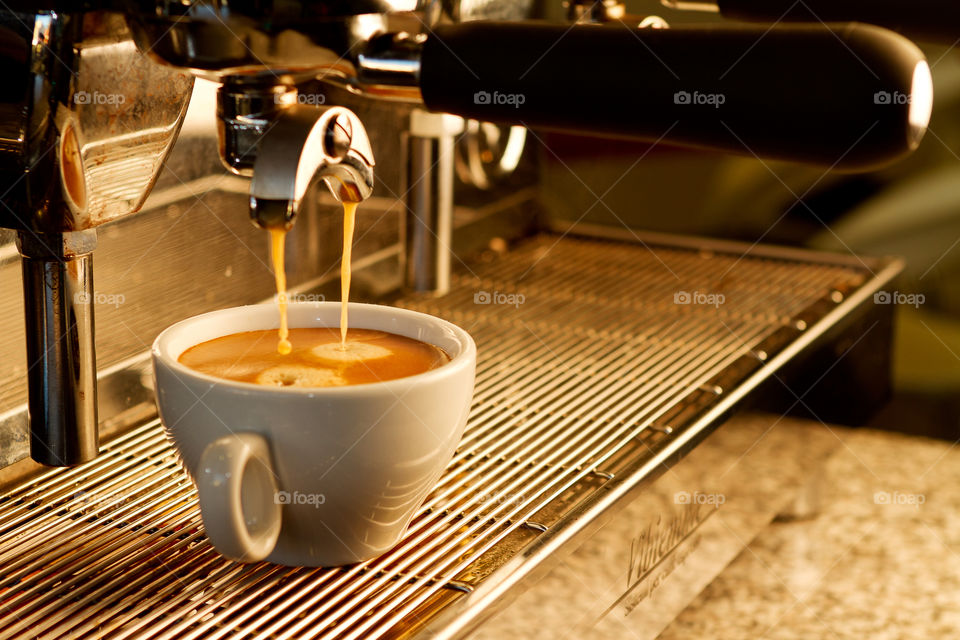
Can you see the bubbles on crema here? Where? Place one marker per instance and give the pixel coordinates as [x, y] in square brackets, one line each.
[295, 375]
[349, 352]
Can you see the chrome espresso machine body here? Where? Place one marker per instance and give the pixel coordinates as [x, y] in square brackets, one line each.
[91, 118]
[420, 109]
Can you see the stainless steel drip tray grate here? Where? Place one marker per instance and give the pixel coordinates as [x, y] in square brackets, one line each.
[598, 361]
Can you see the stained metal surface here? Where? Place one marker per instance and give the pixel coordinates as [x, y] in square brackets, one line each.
[89, 119]
[590, 364]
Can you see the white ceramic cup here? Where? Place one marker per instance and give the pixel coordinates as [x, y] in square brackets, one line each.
[313, 476]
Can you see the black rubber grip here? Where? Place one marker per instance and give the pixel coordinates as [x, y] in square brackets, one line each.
[934, 20]
[839, 96]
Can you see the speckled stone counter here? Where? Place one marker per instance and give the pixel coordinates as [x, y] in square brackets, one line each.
[880, 560]
[825, 532]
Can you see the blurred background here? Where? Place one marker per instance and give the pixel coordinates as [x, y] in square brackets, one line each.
[911, 209]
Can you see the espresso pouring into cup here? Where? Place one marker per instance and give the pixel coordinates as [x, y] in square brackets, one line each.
[771, 106]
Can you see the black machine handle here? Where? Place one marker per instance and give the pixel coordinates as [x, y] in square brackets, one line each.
[851, 96]
[935, 20]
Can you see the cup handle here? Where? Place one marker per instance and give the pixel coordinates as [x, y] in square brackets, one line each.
[238, 496]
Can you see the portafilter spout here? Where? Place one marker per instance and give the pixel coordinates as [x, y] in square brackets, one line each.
[303, 144]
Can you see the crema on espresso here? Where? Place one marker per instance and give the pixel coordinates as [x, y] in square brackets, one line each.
[317, 358]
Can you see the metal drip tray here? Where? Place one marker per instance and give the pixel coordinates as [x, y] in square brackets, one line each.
[600, 361]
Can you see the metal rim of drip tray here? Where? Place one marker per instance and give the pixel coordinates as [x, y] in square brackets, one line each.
[594, 373]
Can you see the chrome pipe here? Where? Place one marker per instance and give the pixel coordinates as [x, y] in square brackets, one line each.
[58, 299]
[429, 201]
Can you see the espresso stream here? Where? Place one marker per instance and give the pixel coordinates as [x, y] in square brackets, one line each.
[349, 221]
[277, 237]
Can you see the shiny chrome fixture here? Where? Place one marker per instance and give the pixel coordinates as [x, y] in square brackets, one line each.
[87, 121]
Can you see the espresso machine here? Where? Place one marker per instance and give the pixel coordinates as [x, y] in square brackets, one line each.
[151, 129]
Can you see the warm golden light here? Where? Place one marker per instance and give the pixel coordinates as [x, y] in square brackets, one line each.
[921, 101]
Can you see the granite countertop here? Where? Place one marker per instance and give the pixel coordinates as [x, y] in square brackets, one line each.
[866, 545]
[880, 560]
